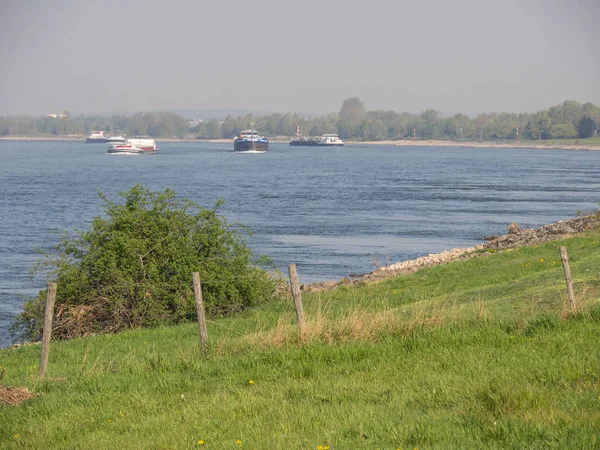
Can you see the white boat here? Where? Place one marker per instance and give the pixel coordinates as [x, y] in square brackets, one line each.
[96, 137]
[331, 140]
[136, 145]
[115, 139]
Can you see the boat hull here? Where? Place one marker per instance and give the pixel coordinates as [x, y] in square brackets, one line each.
[131, 150]
[323, 144]
[304, 142]
[242, 145]
[95, 141]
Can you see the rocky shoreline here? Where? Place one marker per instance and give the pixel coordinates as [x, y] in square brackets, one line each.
[516, 237]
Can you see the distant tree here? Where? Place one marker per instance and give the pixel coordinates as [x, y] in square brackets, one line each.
[568, 111]
[532, 131]
[213, 129]
[563, 131]
[586, 127]
[353, 110]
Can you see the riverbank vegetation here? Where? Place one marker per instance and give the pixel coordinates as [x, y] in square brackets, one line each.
[133, 267]
[569, 120]
[482, 353]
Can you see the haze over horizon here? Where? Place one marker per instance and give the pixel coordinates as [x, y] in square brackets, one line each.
[465, 56]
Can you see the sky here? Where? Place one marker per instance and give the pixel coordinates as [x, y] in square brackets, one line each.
[467, 56]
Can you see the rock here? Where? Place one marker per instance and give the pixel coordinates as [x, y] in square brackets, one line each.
[513, 228]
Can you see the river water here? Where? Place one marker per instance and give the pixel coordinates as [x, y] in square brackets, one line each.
[327, 210]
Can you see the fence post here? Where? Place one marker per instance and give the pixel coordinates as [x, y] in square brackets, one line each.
[200, 312]
[47, 334]
[296, 295]
[565, 263]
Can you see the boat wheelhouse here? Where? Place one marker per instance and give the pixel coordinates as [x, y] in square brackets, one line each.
[300, 140]
[250, 140]
[96, 137]
[331, 140]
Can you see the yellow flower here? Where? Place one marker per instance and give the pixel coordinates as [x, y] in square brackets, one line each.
[17, 436]
[251, 382]
[109, 421]
[394, 292]
[238, 442]
[320, 447]
[200, 442]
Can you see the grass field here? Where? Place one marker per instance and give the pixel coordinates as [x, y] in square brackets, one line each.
[576, 141]
[483, 353]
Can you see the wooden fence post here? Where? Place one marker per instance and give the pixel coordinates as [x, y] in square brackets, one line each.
[47, 334]
[200, 312]
[565, 263]
[296, 295]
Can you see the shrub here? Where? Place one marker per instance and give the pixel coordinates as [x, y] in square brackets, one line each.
[134, 268]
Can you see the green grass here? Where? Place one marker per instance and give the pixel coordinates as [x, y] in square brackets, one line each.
[475, 354]
[574, 141]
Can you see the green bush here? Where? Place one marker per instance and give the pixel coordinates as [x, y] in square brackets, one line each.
[134, 268]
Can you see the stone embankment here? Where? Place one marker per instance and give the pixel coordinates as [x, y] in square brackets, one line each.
[516, 237]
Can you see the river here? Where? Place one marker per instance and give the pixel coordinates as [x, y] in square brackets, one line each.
[330, 211]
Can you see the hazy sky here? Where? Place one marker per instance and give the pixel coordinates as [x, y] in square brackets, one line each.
[308, 56]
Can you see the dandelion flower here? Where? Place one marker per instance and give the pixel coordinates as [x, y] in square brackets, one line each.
[238, 442]
[109, 420]
[17, 436]
[200, 442]
[251, 382]
[320, 447]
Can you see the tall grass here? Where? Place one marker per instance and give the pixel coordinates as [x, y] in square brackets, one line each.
[485, 353]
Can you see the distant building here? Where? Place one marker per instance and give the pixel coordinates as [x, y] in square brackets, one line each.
[57, 116]
[194, 123]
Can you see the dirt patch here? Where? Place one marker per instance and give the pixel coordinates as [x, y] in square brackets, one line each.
[14, 396]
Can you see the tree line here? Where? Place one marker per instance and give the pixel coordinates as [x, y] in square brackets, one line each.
[155, 124]
[568, 120]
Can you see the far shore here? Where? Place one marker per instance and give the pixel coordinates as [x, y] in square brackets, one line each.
[399, 143]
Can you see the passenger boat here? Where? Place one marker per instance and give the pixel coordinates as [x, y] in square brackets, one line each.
[301, 140]
[115, 139]
[95, 137]
[331, 140]
[249, 140]
[137, 145]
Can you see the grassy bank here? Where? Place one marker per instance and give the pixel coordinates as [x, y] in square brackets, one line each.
[475, 354]
[574, 141]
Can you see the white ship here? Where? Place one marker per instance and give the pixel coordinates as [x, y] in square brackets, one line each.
[96, 137]
[137, 145]
[331, 140]
[115, 139]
